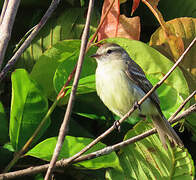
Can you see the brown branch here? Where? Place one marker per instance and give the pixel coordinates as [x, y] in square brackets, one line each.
[64, 126]
[104, 151]
[27, 42]
[8, 15]
[182, 105]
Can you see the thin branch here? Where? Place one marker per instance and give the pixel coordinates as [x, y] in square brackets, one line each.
[187, 112]
[104, 151]
[182, 105]
[134, 139]
[8, 16]
[133, 108]
[27, 42]
[64, 126]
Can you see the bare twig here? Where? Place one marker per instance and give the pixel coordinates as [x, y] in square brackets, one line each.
[26, 43]
[8, 17]
[182, 105]
[190, 110]
[133, 108]
[104, 151]
[64, 126]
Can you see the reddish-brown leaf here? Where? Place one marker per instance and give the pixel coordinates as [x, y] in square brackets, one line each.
[129, 27]
[116, 25]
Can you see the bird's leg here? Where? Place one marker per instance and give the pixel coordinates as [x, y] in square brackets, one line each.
[136, 105]
[117, 125]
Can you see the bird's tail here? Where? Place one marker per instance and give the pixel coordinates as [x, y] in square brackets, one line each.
[164, 130]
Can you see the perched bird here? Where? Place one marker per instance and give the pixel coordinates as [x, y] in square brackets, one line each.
[121, 82]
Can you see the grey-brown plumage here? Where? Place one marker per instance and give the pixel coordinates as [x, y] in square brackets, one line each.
[120, 82]
[164, 129]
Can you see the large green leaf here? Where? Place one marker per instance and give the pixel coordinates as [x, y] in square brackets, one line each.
[71, 146]
[51, 59]
[147, 159]
[28, 107]
[60, 61]
[3, 126]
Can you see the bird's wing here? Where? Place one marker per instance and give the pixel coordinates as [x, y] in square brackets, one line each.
[137, 75]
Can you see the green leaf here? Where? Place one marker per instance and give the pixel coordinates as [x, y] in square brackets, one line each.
[147, 159]
[155, 65]
[172, 102]
[28, 107]
[85, 85]
[82, 3]
[68, 24]
[71, 146]
[51, 59]
[87, 81]
[3, 126]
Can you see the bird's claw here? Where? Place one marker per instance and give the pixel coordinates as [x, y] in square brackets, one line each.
[136, 105]
[117, 125]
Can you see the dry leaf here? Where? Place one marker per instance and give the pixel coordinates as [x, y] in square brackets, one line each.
[129, 27]
[116, 25]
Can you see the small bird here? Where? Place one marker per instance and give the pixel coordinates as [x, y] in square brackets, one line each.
[121, 82]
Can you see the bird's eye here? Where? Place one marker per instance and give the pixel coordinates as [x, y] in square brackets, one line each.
[109, 51]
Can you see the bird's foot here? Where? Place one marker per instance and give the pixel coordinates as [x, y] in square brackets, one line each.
[117, 125]
[136, 105]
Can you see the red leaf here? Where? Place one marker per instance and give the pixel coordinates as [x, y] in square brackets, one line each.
[116, 25]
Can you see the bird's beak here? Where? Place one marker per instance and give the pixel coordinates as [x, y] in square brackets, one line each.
[95, 55]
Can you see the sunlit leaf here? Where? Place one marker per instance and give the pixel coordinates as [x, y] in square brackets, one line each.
[51, 59]
[71, 146]
[87, 81]
[147, 159]
[28, 107]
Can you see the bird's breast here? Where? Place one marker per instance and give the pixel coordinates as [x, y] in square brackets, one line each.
[115, 89]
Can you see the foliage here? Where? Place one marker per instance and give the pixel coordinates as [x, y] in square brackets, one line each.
[47, 63]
